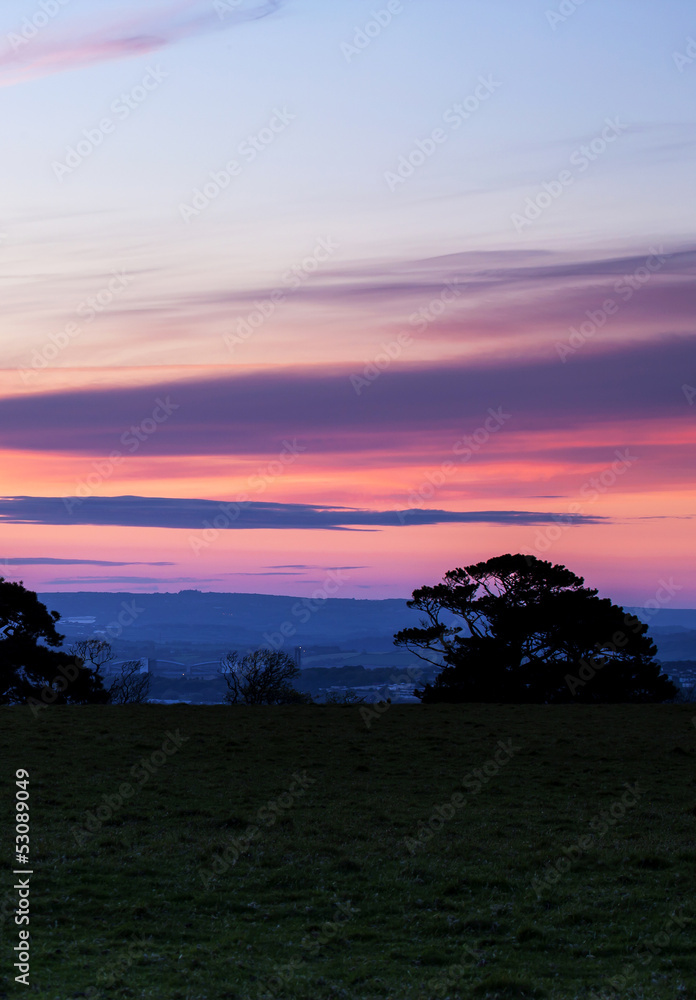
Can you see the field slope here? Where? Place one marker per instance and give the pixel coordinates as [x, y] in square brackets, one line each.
[443, 851]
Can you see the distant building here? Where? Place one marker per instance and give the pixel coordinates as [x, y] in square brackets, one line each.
[298, 657]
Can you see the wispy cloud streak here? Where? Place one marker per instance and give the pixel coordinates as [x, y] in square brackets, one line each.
[170, 512]
[252, 413]
[47, 561]
[142, 33]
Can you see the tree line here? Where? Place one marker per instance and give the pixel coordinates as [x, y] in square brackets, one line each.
[512, 629]
[34, 671]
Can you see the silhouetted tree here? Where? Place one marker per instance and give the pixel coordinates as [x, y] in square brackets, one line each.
[95, 652]
[261, 677]
[31, 668]
[518, 629]
[130, 687]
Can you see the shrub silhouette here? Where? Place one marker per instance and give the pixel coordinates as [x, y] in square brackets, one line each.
[261, 677]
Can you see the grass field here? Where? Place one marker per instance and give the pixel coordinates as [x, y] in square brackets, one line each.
[383, 865]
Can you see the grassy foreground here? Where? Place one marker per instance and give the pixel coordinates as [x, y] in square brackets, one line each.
[445, 851]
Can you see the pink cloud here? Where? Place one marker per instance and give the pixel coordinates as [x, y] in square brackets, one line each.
[48, 52]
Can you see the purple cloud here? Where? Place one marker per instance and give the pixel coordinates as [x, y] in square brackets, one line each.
[197, 515]
[318, 411]
[527, 278]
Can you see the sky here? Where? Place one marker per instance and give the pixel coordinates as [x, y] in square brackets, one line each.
[377, 289]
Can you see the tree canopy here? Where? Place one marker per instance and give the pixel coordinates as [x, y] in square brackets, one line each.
[31, 668]
[261, 677]
[130, 686]
[518, 629]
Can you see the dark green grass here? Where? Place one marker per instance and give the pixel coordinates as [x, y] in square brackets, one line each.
[458, 918]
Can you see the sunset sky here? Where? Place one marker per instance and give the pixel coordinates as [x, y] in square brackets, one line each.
[378, 287]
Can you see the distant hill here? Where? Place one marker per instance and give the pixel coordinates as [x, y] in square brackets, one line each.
[228, 621]
[671, 618]
[237, 619]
